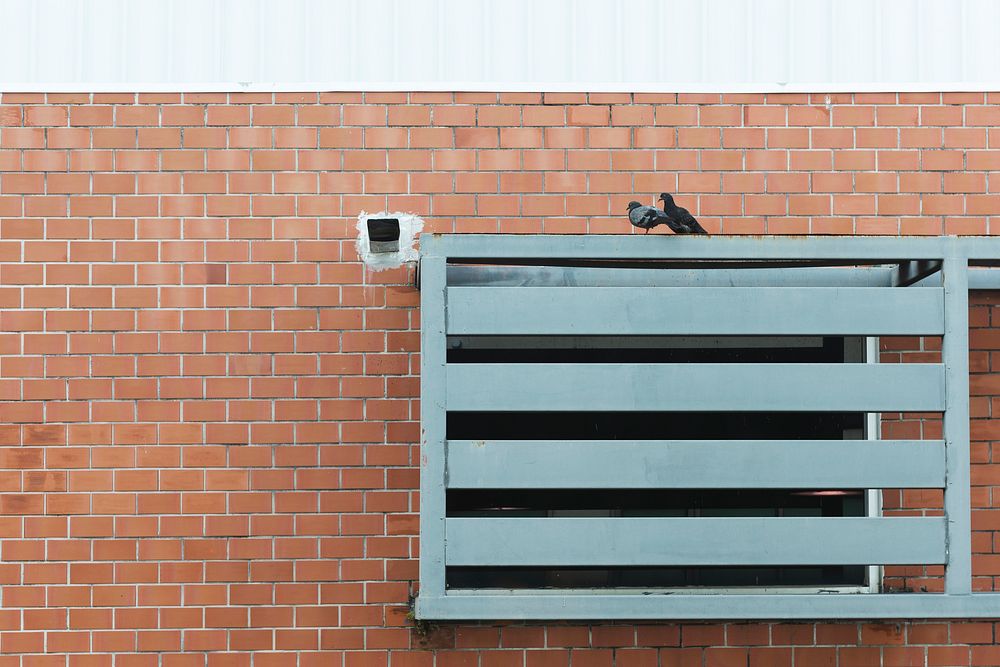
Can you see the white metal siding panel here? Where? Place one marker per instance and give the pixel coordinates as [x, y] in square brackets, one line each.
[640, 45]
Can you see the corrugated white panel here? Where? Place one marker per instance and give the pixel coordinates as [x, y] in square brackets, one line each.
[858, 40]
[641, 45]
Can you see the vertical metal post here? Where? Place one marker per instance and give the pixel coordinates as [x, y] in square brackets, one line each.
[873, 431]
[432, 421]
[955, 356]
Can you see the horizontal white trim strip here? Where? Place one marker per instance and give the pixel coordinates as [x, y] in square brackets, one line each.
[664, 87]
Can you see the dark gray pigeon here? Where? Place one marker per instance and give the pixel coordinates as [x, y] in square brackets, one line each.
[681, 220]
[646, 217]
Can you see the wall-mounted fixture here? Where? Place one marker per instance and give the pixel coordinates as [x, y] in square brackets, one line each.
[387, 240]
[383, 234]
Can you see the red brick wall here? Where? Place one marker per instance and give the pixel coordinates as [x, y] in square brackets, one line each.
[208, 407]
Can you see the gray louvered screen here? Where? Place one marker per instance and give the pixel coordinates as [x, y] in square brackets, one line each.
[613, 286]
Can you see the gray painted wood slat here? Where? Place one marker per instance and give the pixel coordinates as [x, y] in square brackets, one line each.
[957, 495]
[695, 464]
[694, 311]
[678, 605]
[849, 249]
[696, 387]
[432, 420]
[597, 542]
[488, 275]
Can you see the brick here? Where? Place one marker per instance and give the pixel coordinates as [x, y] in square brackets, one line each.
[210, 406]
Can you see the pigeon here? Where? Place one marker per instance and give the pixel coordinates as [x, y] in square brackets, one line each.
[646, 217]
[683, 221]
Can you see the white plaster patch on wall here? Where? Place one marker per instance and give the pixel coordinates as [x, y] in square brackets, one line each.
[409, 227]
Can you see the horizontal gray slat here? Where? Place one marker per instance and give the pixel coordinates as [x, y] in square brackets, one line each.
[694, 464]
[481, 275]
[584, 542]
[746, 248]
[491, 275]
[980, 278]
[696, 387]
[597, 604]
[630, 343]
[692, 311]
